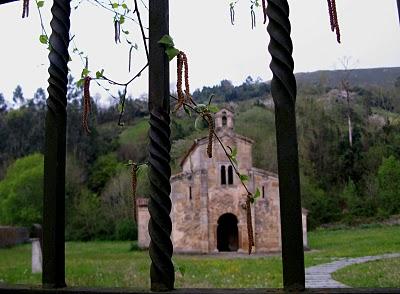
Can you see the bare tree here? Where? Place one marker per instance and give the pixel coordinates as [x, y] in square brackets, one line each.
[345, 91]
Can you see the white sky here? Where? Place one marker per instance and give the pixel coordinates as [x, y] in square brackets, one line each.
[216, 50]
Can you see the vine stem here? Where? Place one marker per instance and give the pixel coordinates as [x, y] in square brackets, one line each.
[128, 82]
[141, 28]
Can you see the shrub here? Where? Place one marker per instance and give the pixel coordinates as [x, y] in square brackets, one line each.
[126, 230]
[389, 185]
[21, 192]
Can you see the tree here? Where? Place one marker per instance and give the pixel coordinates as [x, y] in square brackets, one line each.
[18, 96]
[105, 167]
[21, 192]
[39, 98]
[389, 185]
[3, 104]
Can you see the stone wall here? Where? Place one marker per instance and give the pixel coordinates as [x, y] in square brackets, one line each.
[143, 222]
[10, 236]
[188, 232]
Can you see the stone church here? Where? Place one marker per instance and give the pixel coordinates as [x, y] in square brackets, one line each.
[207, 198]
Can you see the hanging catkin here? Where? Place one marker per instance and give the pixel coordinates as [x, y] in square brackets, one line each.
[210, 122]
[86, 104]
[25, 8]
[264, 8]
[134, 186]
[249, 224]
[179, 66]
[334, 18]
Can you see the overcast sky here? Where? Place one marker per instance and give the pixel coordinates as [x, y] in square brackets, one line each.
[216, 50]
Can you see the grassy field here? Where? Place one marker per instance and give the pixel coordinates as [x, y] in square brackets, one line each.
[374, 274]
[132, 133]
[111, 264]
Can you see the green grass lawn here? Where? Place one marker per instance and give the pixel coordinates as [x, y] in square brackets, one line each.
[111, 264]
[373, 274]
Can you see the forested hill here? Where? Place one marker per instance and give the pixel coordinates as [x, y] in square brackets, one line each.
[319, 81]
[382, 77]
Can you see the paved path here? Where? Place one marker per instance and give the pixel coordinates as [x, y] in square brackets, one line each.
[319, 276]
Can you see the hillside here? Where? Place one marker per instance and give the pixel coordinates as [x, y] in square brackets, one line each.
[382, 77]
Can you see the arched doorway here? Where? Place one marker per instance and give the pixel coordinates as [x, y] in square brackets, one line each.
[227, 233]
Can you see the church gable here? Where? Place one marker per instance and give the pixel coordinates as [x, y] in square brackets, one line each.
[208, 198]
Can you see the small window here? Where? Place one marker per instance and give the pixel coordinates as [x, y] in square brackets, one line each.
[224, 120]
[263, 192]
[190, 193]
[223, 175]
[230, 175]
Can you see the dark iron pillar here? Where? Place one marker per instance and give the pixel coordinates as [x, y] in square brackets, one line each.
[54, 155]
[284, 90]
[162, 270]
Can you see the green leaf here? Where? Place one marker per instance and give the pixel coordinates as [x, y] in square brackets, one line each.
[40, 4]
[171, 53]
[213, 108]
[99, 74]
[198, 123]
[79, 83]
[257, 194]
[200, 107]
[167, 41]
[114, 5]
[43, 39]
[121, 19]
[85, 72]
[244, 178]
[234, 152]
[234, 160]
[125, 32]
[187, 110]
[124, 6]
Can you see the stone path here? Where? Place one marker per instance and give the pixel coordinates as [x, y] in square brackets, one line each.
[319, 276]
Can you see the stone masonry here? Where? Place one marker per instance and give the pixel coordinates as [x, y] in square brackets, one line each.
[207, 199]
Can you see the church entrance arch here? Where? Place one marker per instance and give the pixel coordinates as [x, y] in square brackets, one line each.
[227, 233]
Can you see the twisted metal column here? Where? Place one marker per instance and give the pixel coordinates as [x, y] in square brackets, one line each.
[284, 90]
[162, 270]
[54, 155]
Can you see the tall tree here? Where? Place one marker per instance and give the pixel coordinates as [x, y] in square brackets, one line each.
[3, 104]
[18, 96]
[39, 98]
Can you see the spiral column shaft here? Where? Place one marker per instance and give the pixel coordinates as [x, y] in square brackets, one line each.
[162, 270]
[55, 147]
[284, 90]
